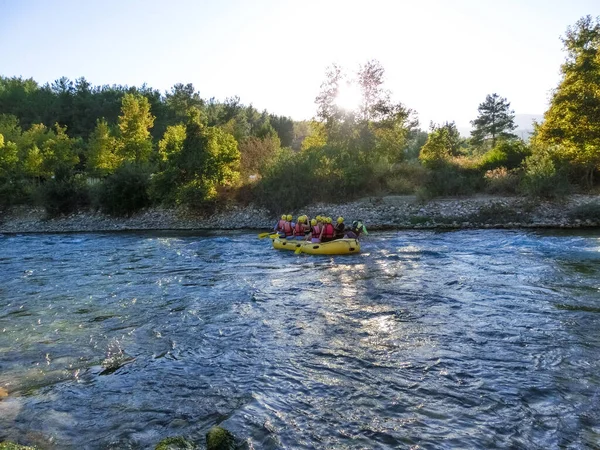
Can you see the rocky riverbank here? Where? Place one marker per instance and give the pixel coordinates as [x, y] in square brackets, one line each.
[391, 212]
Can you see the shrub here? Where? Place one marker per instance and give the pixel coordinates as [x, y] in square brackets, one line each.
[446, 178]
[125, 191]
[542, 179]
[509, 154]
[64, 196]
[198, 194]
[502, 181]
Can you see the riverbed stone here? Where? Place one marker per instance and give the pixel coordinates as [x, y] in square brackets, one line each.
[391, 212]
[13, 446]
[176, 443]
[219, 438]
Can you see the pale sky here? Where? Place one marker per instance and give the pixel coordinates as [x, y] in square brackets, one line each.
[441, 57]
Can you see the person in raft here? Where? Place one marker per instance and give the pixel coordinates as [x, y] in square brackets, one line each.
[315, 230]
[328, 231]
[356, 229]
[280, 224]
[300, 228]
[288, 230]
[340, 228]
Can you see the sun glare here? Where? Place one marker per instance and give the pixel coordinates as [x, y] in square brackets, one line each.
[348, 97]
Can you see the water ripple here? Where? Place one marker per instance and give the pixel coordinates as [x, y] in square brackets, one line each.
[467, 339]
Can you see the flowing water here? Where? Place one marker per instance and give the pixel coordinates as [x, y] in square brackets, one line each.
[466, 339]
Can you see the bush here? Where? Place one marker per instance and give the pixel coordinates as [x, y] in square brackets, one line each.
[198, 194]
[542, 179]
[509, 154]
[64, 196]
[15, 192]
[502, 181]
[125, 191]
[406, 178]
[449, 179]
[163, 187]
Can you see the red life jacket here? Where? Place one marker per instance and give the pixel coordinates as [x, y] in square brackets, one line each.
[299, 231]
[316, 230]
[280, 225]
[328, 231]
[287, 228]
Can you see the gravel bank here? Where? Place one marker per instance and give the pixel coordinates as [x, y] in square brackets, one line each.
[392, 212]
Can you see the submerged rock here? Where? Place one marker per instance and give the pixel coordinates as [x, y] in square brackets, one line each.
[175, 443]
[13, 446]
[219, 438]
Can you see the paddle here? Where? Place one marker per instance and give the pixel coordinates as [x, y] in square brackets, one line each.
[298, 250]
[270, 234]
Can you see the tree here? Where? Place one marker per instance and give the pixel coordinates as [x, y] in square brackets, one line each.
[102, 158]
[572, 123]
[59, 154]
[172, 142]
[374, 96]
[443, 142]
[495, 120]
[135, 123]
[256, 153]
[9, 158]
[327, 109]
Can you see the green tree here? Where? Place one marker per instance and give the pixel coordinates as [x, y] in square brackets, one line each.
[172, 142]
[572, 123]
[102, 158]
[442, 143]
[495, 120]
[135, 122]
[59, 154]
[327, 110]
[8, 158]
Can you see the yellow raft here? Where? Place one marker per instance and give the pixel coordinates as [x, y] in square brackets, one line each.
[337, 247]
[284, 244]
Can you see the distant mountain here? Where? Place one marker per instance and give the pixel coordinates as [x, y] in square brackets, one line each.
[524, 123]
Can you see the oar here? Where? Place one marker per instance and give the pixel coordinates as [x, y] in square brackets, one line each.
[269, 233]
[298, 250]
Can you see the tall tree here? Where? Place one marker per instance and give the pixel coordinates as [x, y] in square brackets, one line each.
[374, 96]
[327, 109]
[495, 120]
[102, 158]
[135, 123]
[572, 123]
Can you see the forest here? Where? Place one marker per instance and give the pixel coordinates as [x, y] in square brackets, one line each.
[70, 145]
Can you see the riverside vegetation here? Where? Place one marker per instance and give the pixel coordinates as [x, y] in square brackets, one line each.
[69, 146]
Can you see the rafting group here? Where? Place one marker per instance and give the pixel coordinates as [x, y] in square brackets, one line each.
[319, 229]
[316, 236]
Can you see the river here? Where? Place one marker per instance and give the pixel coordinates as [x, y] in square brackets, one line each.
[465, 339]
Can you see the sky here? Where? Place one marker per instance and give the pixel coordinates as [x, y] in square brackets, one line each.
[441, 57]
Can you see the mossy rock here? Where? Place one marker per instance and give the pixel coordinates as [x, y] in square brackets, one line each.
[175, 443]
[13, 446]
[219, 438]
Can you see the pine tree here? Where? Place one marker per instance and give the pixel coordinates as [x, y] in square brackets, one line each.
[495, 120]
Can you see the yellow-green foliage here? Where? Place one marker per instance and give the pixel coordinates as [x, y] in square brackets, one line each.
[135, 122]
[571, 125]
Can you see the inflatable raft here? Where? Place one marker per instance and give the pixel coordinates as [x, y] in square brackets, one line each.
[285, 244]
[337, 247]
